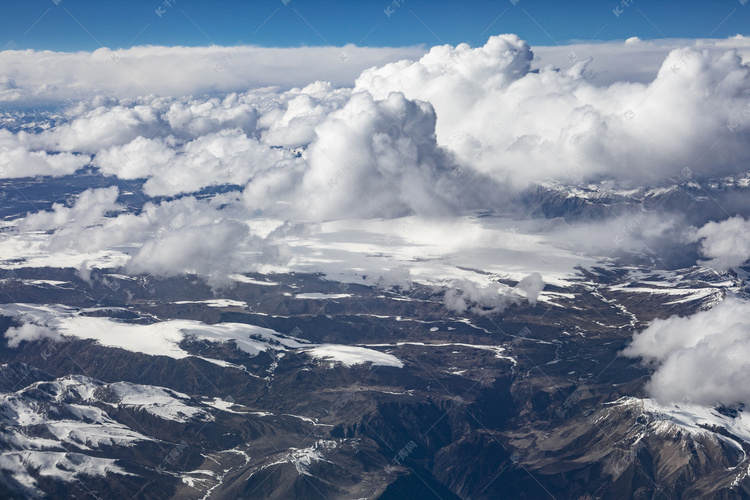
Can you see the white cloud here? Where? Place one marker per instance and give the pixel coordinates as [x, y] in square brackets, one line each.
[88, 208]
[467, 296]
[521, 126]
[205, 249]
[531, 286]
[97, 128]
[18, 160]
[28, 332]
[704, 357]
[726, 244]
[379, 159]
[399, 276]
[459, 129]
[292, 121]
[208, 237]
[34, 77]
[481, 112]
[633, 60]
[662, 235]
[228, 157]
[138, 159]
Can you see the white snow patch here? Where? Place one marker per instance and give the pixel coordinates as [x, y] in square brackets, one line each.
[245, 279]
[693, 417]
[322, 296]
[498, 350]
[215, 302]
[158, 339]
[353, 355]
[158, 401]
[60, 465]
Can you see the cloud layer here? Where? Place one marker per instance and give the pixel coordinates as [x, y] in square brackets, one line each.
[455, 130]
[29, 77]
[482, 114]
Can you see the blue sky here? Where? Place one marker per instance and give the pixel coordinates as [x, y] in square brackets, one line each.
[70, 25]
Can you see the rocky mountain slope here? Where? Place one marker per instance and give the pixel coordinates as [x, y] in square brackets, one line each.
[294, 386]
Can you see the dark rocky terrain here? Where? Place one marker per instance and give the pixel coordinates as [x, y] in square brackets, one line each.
[533, 402]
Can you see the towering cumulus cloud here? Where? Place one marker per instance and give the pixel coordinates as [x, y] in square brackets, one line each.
[520, 126]
[377, 158]
[371, 158]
